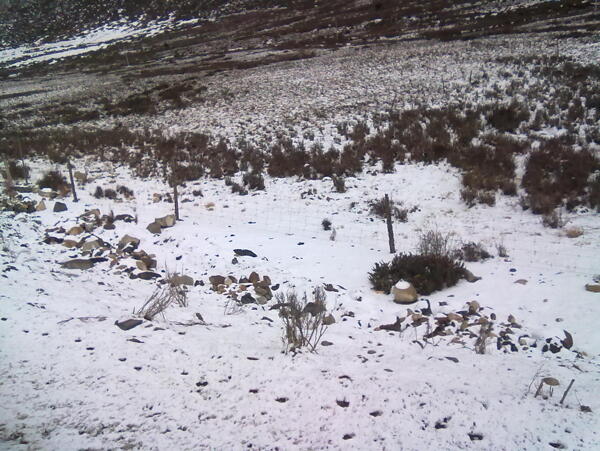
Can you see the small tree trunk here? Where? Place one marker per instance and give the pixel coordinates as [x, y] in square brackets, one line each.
[176, 201]
[567, 391]
[70, 166]
[388, 214]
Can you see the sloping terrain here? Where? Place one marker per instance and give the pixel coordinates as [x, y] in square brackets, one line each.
[282, 129]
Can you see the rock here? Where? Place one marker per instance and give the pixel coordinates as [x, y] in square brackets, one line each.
[404, 293]
[59, 206]
[128, 239]
[78, 263]
[124, 218]
[76, 230]
[573, 232]
[148, 275]
[141, 265]
[253, 277]
[262, 291]
[148, 261]
[521, 281]
[248, 299]
[266, 280]
[330, 287]
[41, 206]
[313, 308]
[216, 280]
[329, 320]
[90, 245]
[109, 226]
[89, 213]
[181, 280]
[53, 240]
[244, 253]
[154, 227]
[166, 221]
[210, 206]
[594, 288]
[228, 281]
[261, 300]
[128, 324]
[326, 343]
[70, 243]
[470, 277]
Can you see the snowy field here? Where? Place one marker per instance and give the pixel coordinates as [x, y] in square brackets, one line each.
[214, 374]
[71, 379]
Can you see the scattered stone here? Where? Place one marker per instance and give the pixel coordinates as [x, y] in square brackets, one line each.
[128, 324]
[128, 239]
[594, 288]
[330, 287]
[134, 340]
[78, 263]
[329, 320]
[154, 227]
[148, 275]
[470, 277]
[59, 206]
[376, 413]
[404, 293]
[343, 403]
[125, 218]
[521, 281]
[281, 399]
[326, 343]
[76, 230]
[253, 277]
[262, 291]
[70, 243]
[182, 280]
[216, 280]
[266, 318]
[475, 436]
[234, 261]
[41, 206]
[349, 436]
[166, 221]
[248, 299]
[244, 253]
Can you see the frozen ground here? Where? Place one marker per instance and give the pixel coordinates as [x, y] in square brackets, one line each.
[71, 379]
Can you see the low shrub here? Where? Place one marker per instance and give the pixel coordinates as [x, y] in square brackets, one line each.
[473, 252]
[18, 170]
[254, 180]
[427, 273]
[304, 322]
[99, 193]
[125, 191]
[339, 184]
[110, 193]
[326, 223]
[554, 219]
[53, 180]
[432, 242]
[379, 208]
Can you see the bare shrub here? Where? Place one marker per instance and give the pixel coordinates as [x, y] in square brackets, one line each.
[161, 298]
[554, 219]
[339, 184]
[433, 242]
[379, 208]
[473, 252]
[254, 180]
[303, 321]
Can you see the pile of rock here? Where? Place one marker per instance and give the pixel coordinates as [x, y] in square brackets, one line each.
[246, 290]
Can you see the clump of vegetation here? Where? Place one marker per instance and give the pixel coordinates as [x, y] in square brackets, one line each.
[379, 207]
[473, 252]
[18, 170]
[254, 180]
[304, 322]
[426, 272]
[53, 180]
[326, 224]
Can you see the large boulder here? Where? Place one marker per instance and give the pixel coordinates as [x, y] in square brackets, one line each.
[404, 293]
[76, 230]
[91, 245]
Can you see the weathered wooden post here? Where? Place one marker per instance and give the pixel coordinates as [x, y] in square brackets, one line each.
[388, 214]
[70, 167]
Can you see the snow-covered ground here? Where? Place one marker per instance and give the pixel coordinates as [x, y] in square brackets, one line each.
[71, 379]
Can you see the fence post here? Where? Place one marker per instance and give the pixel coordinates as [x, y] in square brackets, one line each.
[70, 166]
[388, 214]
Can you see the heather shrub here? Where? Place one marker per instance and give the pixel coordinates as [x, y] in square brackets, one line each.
[427, 273]
[18, 170]
[254, 180]
[53, 180]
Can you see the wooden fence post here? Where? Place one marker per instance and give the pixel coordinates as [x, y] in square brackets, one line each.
[388, 214]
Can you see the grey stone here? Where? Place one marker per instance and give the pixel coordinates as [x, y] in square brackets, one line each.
[59, 206]
[128, 324]
[154, 227]
[78, 263]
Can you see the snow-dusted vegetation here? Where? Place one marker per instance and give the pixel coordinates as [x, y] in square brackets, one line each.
[198, 217]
